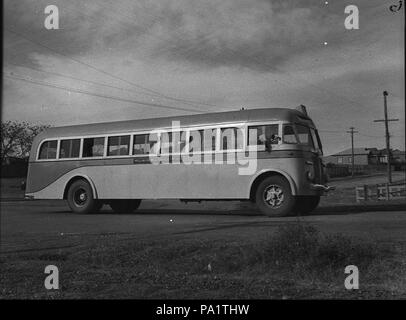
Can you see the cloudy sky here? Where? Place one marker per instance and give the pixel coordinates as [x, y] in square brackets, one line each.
[125, 59]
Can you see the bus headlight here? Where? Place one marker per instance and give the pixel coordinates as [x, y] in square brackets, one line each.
[310, 175]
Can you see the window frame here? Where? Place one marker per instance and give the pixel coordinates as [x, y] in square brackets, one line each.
[187, 129]
[141, 133]
[106, 145]
[264, 123]
[293, 125]
[310, 136]
[244, 138]
[60, 144]
[45, 141]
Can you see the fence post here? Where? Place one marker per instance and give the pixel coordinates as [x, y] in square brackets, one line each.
[387, 191]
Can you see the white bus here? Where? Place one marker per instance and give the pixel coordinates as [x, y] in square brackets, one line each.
[121, 163]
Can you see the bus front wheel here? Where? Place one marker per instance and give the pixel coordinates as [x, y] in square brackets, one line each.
[80, 198]
[125, 206]
[274, 197]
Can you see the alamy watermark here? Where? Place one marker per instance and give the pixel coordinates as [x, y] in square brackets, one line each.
[203, 146]
[351, 22]
[51, 281]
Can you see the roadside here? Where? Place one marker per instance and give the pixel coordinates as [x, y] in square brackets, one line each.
[291, 261]
[345, 190]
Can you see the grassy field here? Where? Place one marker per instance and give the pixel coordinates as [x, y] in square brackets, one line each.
[297, 262]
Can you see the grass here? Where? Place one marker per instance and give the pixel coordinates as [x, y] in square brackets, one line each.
[295, 262]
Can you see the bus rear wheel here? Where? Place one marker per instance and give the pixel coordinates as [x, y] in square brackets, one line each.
[274, 197]
[124, 206]
[80, 198]
[306, 204]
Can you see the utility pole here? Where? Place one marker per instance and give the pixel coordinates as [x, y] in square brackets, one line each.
[387, 136]
[352, 149]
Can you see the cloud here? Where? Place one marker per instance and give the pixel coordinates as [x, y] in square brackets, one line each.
[254, 34]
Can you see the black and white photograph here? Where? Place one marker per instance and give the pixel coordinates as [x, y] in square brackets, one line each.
[203, 150]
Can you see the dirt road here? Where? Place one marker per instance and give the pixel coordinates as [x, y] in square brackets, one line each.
[30, 225]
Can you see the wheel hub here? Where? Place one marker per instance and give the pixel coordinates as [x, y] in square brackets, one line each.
[273, 196]
[80, 197]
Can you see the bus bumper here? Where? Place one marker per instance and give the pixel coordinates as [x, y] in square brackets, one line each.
[322, 187]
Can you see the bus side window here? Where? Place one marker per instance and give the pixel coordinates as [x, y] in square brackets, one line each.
[289, 135]
[144, 143]
[118, 146]
[209, 139]
[48, 150]
[179, 141]
[259, 135]
[93, 147]
[69, 148]
[166, 142]
[196, 141]
[231, 138]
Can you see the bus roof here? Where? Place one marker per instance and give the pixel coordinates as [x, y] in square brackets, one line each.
[264, 114]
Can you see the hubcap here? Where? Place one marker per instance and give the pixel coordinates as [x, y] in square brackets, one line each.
[273, 196]
[80, 197]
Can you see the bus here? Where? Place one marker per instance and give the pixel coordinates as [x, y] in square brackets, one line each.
[270, 156]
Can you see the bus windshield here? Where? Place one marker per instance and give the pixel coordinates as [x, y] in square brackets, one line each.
[301, 134]
[304, 135]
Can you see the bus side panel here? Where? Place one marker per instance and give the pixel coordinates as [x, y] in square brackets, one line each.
[173, 181]
[169, 181]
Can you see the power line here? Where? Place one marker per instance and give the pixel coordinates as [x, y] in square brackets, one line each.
[79, 79]
[99, 95]
[109, 74]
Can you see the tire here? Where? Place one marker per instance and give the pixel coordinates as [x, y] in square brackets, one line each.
[80, 197]
[281, 202]
[125, 206]
[306, 204]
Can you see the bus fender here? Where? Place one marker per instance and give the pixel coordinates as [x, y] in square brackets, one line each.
[282, 173]
[82, 176]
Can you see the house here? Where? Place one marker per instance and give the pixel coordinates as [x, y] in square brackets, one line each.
[366, 156]
[362, 156]
[398, 157]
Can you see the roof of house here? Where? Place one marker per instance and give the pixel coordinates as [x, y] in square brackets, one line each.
[357, 151]
[394, 152]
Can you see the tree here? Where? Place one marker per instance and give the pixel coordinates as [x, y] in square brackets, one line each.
[17, 138]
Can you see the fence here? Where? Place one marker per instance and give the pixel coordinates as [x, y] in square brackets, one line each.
[394, 191]
[334, 171]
